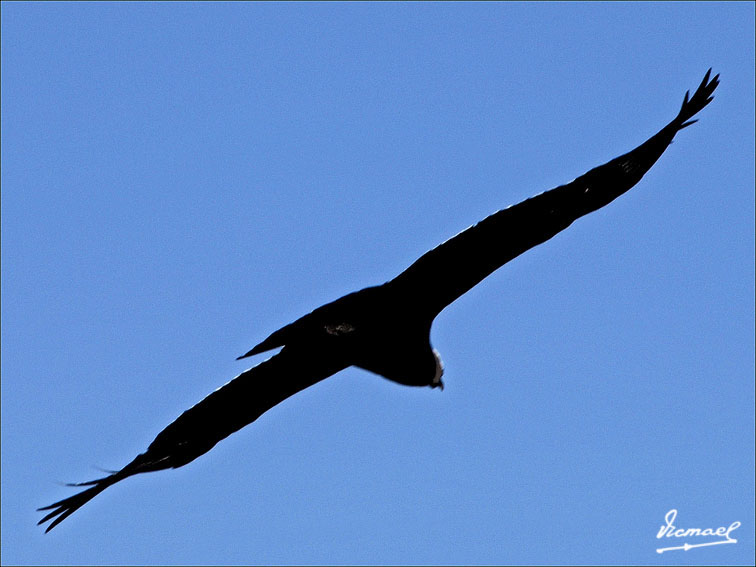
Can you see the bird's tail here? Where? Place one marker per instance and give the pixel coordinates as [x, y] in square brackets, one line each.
[63, 508]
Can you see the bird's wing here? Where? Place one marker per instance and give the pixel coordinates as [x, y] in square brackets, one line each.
[445, 273]
[229, 408]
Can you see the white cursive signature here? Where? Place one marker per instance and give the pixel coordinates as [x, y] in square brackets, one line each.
[670, 530]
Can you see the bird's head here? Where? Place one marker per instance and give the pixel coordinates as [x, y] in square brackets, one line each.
[437, 383]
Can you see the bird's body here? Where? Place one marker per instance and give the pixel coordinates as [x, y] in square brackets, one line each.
[386, 328]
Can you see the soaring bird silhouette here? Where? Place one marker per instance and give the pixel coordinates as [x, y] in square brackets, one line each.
[386, 329]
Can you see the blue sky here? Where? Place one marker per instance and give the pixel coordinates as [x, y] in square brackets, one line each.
[179, 180]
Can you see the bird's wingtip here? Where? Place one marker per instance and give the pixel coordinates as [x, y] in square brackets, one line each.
[692, 105]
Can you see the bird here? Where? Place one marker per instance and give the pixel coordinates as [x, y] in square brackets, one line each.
[385, 329]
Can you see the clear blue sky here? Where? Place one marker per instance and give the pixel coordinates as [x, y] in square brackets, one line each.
[179, 180]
